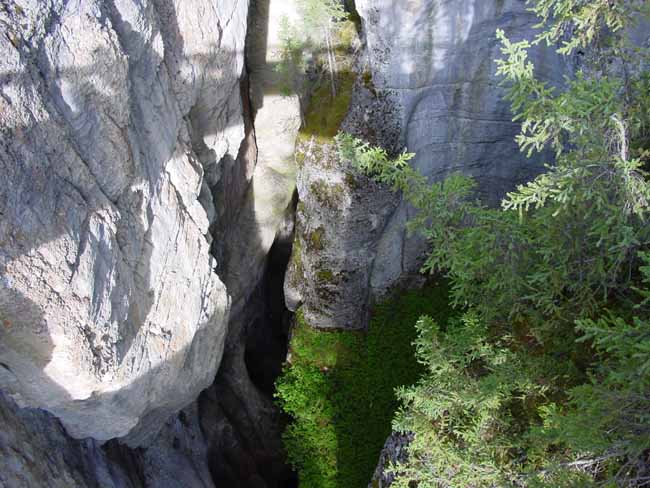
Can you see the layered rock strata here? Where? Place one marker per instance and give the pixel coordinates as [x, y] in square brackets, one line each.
[115, 118]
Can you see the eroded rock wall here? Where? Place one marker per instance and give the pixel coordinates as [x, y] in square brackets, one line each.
[427, 83]
[435, 59]
[115, 117]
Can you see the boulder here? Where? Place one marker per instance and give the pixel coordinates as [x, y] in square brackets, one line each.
[115, 118]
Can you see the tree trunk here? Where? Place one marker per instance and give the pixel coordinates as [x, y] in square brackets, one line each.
[331, 59]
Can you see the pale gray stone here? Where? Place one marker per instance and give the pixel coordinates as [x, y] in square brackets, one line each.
[435, 60]
[112, 112]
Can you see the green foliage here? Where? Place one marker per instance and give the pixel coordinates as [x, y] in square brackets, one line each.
[466, 410]
[545, 379]
[318, 16]
[609, 414]
[326, 112]
[339, 389]
[579, 24]
[322, 30]
[291, 64]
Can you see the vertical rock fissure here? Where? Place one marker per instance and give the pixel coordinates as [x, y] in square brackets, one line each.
[238, 415]
[252, 236]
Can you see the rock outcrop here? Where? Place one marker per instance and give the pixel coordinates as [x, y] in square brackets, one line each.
[116, 118]
[339, 218]
[394, 451]
[36, 451]
[427, 83]
[436, 59]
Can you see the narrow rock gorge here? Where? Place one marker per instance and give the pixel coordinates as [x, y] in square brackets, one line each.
[144, 193]
[155, 191]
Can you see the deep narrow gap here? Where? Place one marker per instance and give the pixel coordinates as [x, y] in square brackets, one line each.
[266, 347]
[241, 423]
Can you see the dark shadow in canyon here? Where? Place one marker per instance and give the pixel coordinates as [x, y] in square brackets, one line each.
[245, 438]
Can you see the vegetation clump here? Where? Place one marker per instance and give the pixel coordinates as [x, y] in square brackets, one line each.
[339, 389]
[326, 112]
[544, 380]
[328, 34]
[328, 195]
[316, 239]
[541, 378]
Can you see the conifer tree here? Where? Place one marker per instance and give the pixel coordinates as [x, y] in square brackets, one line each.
[319, 20]
[544, 379]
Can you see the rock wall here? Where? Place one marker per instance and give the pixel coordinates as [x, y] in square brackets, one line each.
[149, 154]
[393, 452]
[243, 425]
[116, 119]
[427, 83]
[36, 451]
[436, 59]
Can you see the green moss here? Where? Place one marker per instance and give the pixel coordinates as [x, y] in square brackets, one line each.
[316, 239]
[325, 276]
[326, 113]
[296, 258]
[300, 208]
[321, 348]
[300, 158]
[345, 36]
[366, 78]
[328, 195]
[352, 181]
[340, 388]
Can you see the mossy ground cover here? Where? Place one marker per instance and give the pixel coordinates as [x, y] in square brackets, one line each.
[339, 388]
[326, 112]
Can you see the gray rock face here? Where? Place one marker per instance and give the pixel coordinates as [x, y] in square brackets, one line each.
[249, 235]
[428, 84]
[394, 451]
[435, 60]
[147, 163]
[35, 451]
[339, 218]
[115, 117]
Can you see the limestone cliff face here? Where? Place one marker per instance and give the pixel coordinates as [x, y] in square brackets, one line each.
[148, 163]
[427, 83]
[436, 59]
[115, 117]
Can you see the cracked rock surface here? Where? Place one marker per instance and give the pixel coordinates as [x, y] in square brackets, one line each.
[115, 117]
[434, 60]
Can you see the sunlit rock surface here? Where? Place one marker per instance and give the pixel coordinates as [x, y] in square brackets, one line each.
[115, 118]
[275, 111]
